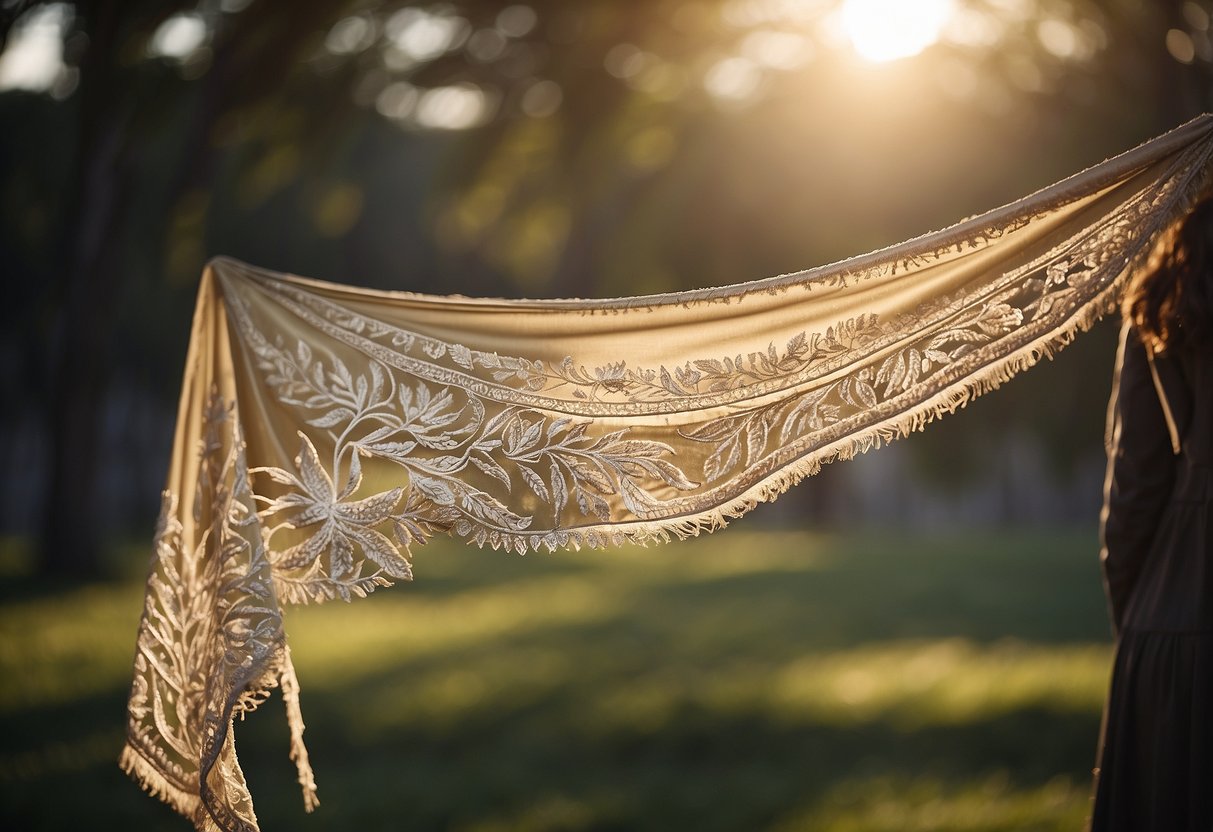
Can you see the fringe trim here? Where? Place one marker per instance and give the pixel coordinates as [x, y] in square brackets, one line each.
[1193, 180]
[154, 783]
[294, 718]
[949, 400]
[1194, 183]
[1082, 183]
[952, 398]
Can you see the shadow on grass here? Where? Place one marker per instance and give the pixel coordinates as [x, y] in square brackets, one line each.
[750, 681]
[534, 768]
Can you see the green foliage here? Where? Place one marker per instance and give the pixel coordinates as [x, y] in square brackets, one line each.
[749, 680]
[613, 156]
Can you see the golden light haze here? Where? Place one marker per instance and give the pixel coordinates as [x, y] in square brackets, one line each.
[885, 30]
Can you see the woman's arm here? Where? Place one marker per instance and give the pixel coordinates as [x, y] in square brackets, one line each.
[1141, 472]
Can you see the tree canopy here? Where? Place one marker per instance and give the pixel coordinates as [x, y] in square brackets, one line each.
[543, 148]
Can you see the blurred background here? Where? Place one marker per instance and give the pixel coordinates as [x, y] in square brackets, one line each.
[911, 640]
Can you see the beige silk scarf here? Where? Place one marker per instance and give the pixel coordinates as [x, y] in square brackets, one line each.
[326, 431]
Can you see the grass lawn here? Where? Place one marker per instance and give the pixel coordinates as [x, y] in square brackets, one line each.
[746, 681]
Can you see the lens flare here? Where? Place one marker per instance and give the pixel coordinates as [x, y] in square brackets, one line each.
[885, 30]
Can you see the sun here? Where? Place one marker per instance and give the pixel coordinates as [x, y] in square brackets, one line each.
[885, 30]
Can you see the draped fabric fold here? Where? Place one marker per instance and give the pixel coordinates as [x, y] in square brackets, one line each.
[325, 432]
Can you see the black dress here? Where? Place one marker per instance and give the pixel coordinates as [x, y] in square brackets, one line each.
[1156, 750]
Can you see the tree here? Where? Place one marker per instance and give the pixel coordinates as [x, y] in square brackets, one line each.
[549, 148]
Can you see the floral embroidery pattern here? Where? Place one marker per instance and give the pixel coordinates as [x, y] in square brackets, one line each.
[404, 422]
[211, 629]
[516, 452]
[435, 434]
[432, 436]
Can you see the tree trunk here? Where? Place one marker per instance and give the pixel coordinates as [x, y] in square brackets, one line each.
[87, 291]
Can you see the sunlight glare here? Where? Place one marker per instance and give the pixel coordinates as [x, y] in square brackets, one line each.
[885, 30]
[178, 37]
[33, 59]
[456, 107]
[734, 79]
[423, 35]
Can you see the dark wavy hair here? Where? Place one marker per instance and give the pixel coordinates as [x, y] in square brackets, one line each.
[1170, 300]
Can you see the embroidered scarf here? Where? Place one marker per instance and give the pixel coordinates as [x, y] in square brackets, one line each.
[325, 432]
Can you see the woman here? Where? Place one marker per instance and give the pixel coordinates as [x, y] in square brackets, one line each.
[1156, 750]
